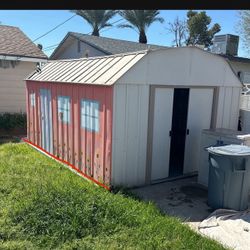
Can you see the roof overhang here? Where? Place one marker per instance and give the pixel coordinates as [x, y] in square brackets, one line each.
[22, 58]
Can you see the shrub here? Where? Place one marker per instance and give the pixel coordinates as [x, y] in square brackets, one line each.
[10, 121]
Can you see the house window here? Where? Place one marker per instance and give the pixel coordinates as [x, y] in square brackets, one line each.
[90, 115]
[32, 99]
[64, 109]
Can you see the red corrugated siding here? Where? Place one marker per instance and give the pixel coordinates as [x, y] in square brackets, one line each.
[88, 151]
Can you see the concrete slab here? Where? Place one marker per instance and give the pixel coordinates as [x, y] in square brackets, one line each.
[183, 198]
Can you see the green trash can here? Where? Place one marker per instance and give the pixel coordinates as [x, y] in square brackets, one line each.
[229, 177]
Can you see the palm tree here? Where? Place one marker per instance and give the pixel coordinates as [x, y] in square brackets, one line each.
[98, 19]
[140, 20]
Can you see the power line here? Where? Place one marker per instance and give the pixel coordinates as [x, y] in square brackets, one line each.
[54, 28]
[78, 38]
[48, 33]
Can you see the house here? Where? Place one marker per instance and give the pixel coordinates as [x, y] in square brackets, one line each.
[18, 58]
[131, 119]
[227, 47]
[77, 45]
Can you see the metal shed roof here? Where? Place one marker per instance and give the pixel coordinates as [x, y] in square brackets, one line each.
[104, 70]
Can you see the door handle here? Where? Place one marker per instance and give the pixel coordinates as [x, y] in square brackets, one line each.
[187, 131]
[170, 133]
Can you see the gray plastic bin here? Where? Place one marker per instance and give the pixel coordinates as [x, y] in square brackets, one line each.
[229, 177]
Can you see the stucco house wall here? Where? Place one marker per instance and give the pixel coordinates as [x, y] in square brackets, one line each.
[12, 85]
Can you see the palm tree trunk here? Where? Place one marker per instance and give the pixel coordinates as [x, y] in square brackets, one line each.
[142, 37]
[95, 31]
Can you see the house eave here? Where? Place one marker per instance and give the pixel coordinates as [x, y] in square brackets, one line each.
[22, 58]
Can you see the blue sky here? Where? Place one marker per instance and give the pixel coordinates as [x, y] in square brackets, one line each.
[35, 23]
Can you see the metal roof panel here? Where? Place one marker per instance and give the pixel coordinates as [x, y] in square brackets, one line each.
[103, 70]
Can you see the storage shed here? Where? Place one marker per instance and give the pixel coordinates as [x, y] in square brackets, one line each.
[131, 119]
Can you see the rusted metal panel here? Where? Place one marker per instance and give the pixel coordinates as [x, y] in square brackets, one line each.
[87, 150]
[103, 70]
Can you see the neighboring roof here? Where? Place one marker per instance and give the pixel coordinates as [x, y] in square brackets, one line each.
[236, 58]
[109, 46]
[103, 70]
[13, 42]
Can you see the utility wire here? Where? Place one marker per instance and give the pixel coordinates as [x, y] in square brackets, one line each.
[48, 33]
[104, 30]
[78, 38]
[54, 28]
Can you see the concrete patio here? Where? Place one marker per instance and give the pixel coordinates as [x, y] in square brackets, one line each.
[187, 200]
[183, 198]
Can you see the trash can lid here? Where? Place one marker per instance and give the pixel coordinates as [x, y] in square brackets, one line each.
[233, 150]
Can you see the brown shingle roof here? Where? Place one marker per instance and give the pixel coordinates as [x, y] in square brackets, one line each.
[13, 42]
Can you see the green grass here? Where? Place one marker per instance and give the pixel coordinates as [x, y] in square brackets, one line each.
[43, 205]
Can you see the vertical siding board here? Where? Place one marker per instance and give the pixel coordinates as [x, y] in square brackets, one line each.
[72, 126]
[119, 136]
[28, 109]
[39, 115]
[32, 120]
[93, 135]
[50, 118]
[98, 136]
[76, 114]
[220, 107]
[235, 106]
[227, 107]
[60, 127]
[132, 135]
[89, 140]
[103, 136]
[35, 116]
[108, 137]
[54, 119]
[83, 136]
[143, 132]
[66, 126]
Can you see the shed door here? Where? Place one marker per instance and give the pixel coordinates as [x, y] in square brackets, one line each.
[178, 131]
[162, 121]
[46, 120]
[199, 118]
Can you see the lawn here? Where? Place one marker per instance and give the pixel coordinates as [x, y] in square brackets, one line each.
[43, 205]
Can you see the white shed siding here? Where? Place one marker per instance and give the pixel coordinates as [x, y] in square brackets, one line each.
[12, 87]
[130, 119]
[186, 67]
[181, 66]
[130, 129]
[228, 107]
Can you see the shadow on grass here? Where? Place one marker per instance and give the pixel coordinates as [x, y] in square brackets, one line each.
[126, 192]
[8, 139]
